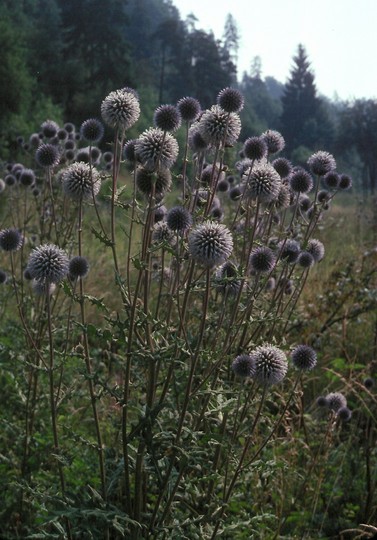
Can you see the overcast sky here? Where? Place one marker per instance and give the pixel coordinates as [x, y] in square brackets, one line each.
[340, 37]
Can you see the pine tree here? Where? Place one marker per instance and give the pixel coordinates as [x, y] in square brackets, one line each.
[231, 38]
[300, 102]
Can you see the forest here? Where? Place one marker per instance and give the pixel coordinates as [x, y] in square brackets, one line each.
[68, 55]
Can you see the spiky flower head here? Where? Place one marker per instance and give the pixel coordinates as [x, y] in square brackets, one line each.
[48, 262]
[217, 126]
[345, 414]
[289, 250]
[345, 182]
[41, 287]
[210, 243]
[179, 219]
[49, 128]
[304, 357]
[47, 155]
[301, 181]
[92, 130]
[195, 140]
[331, 180]
[271, 364]
[27, 177]
[10, 180]
[321, 163]
[274, 140]
[264, 183]
[68, 126]
[235, 193]
[108, 157]
[154, 147]
[321, 401]
[284, 197]
[336, 401]
[244, 366]
[316, 249]
[230, 100]
[255, 148]
[160, 213]
[369, 383]
[304, 202]
[262, 260]
[120, 109]
[162, 233]
[227, 279]
[283, 166]
[10, 239]
[78, 267]
[80, 181]
[305, 259]
[129, 150]
[167, 118]
[189, 109]
[147, 180]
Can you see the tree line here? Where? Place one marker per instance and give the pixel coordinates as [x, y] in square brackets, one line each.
[60, 58]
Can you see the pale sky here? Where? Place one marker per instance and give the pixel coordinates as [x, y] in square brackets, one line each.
[340, 38]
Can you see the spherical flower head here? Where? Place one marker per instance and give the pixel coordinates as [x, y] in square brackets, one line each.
[290, 250]
[10, 239]
[167, 118]
[78, 267]
[217, 126]
[369, 383]
[80, 181]
[69, 127]
[179, 219]
[271, 365]
[27, 177]
[47, 155]
[316, 249]
[161, 180]
[189, 109]
[331, 180]
[92, 130]
[210, 243]
[48, 262]
[336, 401]
[282, 166]
[304, 202]
[321, 401]
[301, 181]
[129, 151]
[3, 277]
[321, 163]
[345, 182]
[262, 260]
[255, 148]
[154, 147]
[230, 100]
[263, 183]
[34, 140]
[160, 213]
[304, 357]
[345, 414]
[10, 180]
[323, 196]
[274, 140]
[108, 157]
[222, 185]
[243, 366]
[62, 134]
[163, 234]
[305, 259]
[120, 109]
[227, 279]
[284, 198]
[235, 193]
[49, 128]
[41, 287]
[195, 140]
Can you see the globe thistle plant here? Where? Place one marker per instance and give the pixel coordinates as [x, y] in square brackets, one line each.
[189, 109]
[304, 357]
[167, 118]
[336, 401]
[331, 180]
[49, 128]
[244, 366]
[210, 243]
[47, 155]
[41, 287]
[321, 163]
[316, 249]
[154, 147]
[262, 260]
[263, 183]
[255, 148]
[301, 181]
[78, 267]
[120, 109]
[129, 150]
[345, 182]
[274, 140]
[27, 177]
[92, 130]
[282, 166]
[162, 233]
[48, 262]
[289, 250]
[179, 219]
[217, 126]
[344, 414]
[271, 365]
[80, 181]
[230, 100]
[227, 280]
[11, 239]
[369, 383]
[195, 140]
[305, 259]
[161, 180]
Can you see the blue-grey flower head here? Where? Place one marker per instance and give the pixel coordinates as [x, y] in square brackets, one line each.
[255, 148]
[147, 180]
[264, 183]
[49, 128]
[47, 155]
[179, 219]
[189, 108]
[230, 100]
[48, 262]
[345, 414]
[321, 163]
[167, 118]
[289, 250]
[11, 239]
[217, 126]
[316, 249]
[156, 147]
[283, 166]
[336, 401]
[80, 181]
[274, 140]
[271, 364]
[304, 357]
[210, 243]
[163, 234]
[227, 279]
[262, 260]
[301, 181]
[244, 366]
[78, 267]
[92, 130]
[120, 109]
